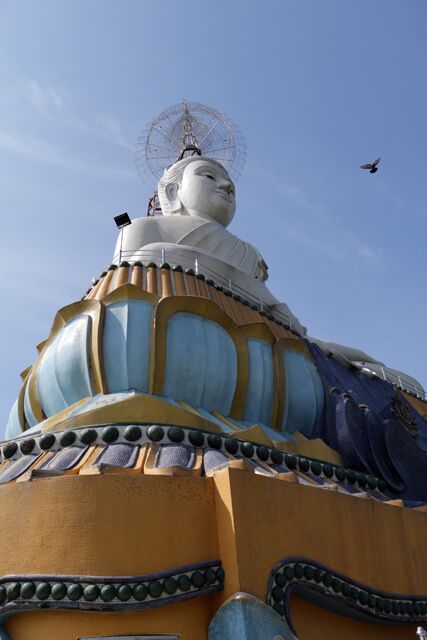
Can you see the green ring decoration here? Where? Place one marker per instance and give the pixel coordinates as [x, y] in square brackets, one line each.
[248, 449]
[176, 434]
[360, 598]
[196, 438]
[68, 438]
[214, 441]
[135, 433]
[155, 433]
[88, 436]
[132, 433]
[47, 441]
[110, 434]
[231, 445]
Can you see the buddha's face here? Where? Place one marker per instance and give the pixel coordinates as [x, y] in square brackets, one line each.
[207, 191]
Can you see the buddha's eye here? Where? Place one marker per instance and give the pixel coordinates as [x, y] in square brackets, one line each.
[208, 175]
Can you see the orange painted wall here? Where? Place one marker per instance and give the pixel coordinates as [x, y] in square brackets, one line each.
[263, 520]
[123, 524]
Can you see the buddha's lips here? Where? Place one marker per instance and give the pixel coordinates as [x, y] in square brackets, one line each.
[224, 194]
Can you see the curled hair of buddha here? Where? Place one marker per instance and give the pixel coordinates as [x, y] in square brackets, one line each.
[173, 174]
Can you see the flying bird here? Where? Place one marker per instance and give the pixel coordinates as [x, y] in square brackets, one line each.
[372, 167]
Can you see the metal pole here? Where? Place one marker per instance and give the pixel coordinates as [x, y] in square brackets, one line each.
[121, 245]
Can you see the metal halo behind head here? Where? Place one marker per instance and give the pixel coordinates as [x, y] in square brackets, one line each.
[189, 129]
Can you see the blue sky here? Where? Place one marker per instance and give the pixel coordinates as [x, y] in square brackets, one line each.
[317, 87]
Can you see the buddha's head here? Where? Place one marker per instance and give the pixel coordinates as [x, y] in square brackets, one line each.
[198, 186]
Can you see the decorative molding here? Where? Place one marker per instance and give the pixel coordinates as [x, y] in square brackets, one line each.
[109, 593]
[339, 593]
[161, 434]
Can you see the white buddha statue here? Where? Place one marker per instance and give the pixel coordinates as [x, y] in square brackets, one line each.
[198, 202]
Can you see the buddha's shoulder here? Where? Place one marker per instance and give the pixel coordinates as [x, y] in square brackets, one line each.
[171, 223]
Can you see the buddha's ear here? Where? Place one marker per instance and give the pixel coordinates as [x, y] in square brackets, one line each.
[171, 192]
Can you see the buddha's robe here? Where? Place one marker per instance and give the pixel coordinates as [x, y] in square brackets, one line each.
[206, 236]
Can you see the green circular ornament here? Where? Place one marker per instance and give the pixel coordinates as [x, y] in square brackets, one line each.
[140, 592]
[27, 446]
[110, 434]
[354, 593]
[170, 586]
[318, 575]
[280, 580]
[231, 445]
[278, 594]
[108, 592]
[220, 574]
[327, 580]
[371, 601]
[289, 573]
[380, 604]
[28, 589]
[198, 579]
[176, 434]
[196, 438]
[47, 441]
[59, 591]
[184, 583]
[350, 476]
[299, 571]
[155, 433]
[155, 588]
[88, 436]
[68, 438]
[361, 480]
[124, 592]
[328, 470]
[262, 453]
[303, 465]
[248, 449]
[75, 591]
[372, 482]
[43, 590]
[132, 433]
[10, 449]
[91, 592]
[13, 590]
[316, 467]
[276, 456]
[410, 609]
[210, 576]
[214, 441]
[340, 473]
[336, 585]
[308, 572]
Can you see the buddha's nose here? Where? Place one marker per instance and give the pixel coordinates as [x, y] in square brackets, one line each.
[225, 185]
